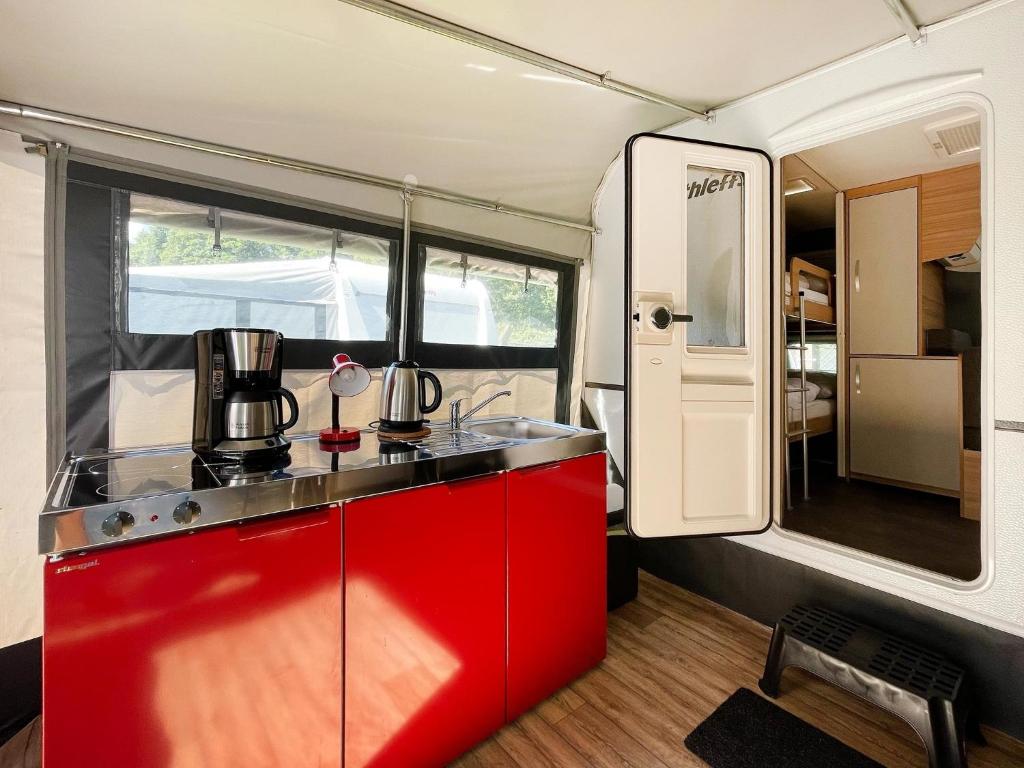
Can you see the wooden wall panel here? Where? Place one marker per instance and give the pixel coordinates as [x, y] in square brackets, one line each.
[933, 298]
[970, 502]
[950, 211]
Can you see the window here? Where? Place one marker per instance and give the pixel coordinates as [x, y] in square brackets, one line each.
[150, 260]
[480, 308]
[714, 257]
[192, 267]
[820, 356]
[479, 301]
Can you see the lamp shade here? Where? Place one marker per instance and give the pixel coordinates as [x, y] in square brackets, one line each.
[348, 378]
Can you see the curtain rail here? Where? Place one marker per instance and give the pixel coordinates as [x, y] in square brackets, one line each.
[103, 126]
[898, 9]
[439, 26]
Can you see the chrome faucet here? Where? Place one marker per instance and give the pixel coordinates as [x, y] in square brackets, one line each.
[455, 417]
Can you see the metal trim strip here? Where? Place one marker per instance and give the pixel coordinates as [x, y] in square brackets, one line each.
[74, 530]
[1009, 426]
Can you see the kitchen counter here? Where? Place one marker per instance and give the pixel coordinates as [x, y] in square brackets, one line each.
[100, 499]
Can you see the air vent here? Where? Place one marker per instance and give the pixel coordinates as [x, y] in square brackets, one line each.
[955, 136]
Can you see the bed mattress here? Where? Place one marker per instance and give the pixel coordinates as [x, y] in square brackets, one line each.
[812, 296]
[815, 408]
[815, 289]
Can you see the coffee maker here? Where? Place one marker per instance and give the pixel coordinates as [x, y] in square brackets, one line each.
[238, 393]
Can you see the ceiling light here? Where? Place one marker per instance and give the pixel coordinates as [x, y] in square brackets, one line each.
[481, 68]
[798, 186]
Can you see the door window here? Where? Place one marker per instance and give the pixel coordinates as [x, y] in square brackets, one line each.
[714, 265]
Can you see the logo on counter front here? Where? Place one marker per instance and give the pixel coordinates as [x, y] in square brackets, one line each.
[78, 566]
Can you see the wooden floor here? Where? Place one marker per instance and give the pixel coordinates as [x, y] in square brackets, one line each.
[921, 529]
[672, 659]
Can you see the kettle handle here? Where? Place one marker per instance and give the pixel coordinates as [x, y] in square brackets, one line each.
[293, 405]
[423, 376]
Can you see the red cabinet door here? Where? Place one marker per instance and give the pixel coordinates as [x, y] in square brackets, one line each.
[424, 623]
[219, 648]
[557, 587]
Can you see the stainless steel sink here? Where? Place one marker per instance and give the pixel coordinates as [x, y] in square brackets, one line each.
[519, 428]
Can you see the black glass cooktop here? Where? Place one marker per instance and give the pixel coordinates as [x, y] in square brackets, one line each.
[107, 478]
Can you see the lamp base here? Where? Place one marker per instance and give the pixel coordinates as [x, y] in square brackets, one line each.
[339, 435]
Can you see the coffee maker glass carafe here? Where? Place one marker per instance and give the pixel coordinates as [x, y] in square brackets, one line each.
[238, 395]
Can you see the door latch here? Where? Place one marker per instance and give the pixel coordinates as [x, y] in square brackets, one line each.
[662, 318]
[654, 316]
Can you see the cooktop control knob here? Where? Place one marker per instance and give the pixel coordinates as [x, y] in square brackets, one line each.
[117, 523]
[186, 512]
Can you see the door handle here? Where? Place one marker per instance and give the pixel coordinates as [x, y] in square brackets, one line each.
[662, 318]
[856, 276]
[856, 379]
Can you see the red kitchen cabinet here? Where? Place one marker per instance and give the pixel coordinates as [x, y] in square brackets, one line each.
[424, 576]
[557, 616]
[218, 648]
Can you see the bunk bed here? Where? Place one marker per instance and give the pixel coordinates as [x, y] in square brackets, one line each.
[821, 406]
[810, 397]
[816, 285]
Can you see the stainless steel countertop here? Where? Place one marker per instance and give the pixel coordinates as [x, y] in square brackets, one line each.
[145, 487]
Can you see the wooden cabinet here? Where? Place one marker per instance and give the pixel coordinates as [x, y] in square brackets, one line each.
[950, 211]
[883, 273]
[557, 612]
[905, 421]
[904, 410]
[970, 502]
[424, 586]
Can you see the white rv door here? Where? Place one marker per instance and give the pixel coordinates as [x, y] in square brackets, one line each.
[698, 261]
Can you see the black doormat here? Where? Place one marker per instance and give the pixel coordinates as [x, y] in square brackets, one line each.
[748, 731]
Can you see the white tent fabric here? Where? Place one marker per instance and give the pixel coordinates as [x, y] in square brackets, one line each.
[285, 295]
[22, 390]
[289, 295]
[135, 396]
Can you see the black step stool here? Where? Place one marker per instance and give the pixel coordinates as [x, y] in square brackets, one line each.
[923, 688]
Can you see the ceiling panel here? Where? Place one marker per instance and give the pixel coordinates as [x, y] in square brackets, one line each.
[702, 53]
[331, 84]
[320, 80]
[886, 154]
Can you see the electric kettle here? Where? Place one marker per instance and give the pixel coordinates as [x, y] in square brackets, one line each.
[403, 397]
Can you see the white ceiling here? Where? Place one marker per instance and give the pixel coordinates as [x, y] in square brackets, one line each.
[886, 154]
[320, 80]
[883, 155]
[702, 52]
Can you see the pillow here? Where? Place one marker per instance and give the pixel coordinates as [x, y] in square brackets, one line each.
[793, 398]
[826, 383]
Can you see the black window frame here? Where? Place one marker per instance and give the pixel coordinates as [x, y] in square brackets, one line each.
[149, 351]
[96, 291]
[483, 357]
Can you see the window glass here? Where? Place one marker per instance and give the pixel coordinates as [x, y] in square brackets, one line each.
[475, 300]
[193, 267]
[714, 257]
[819, 357]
